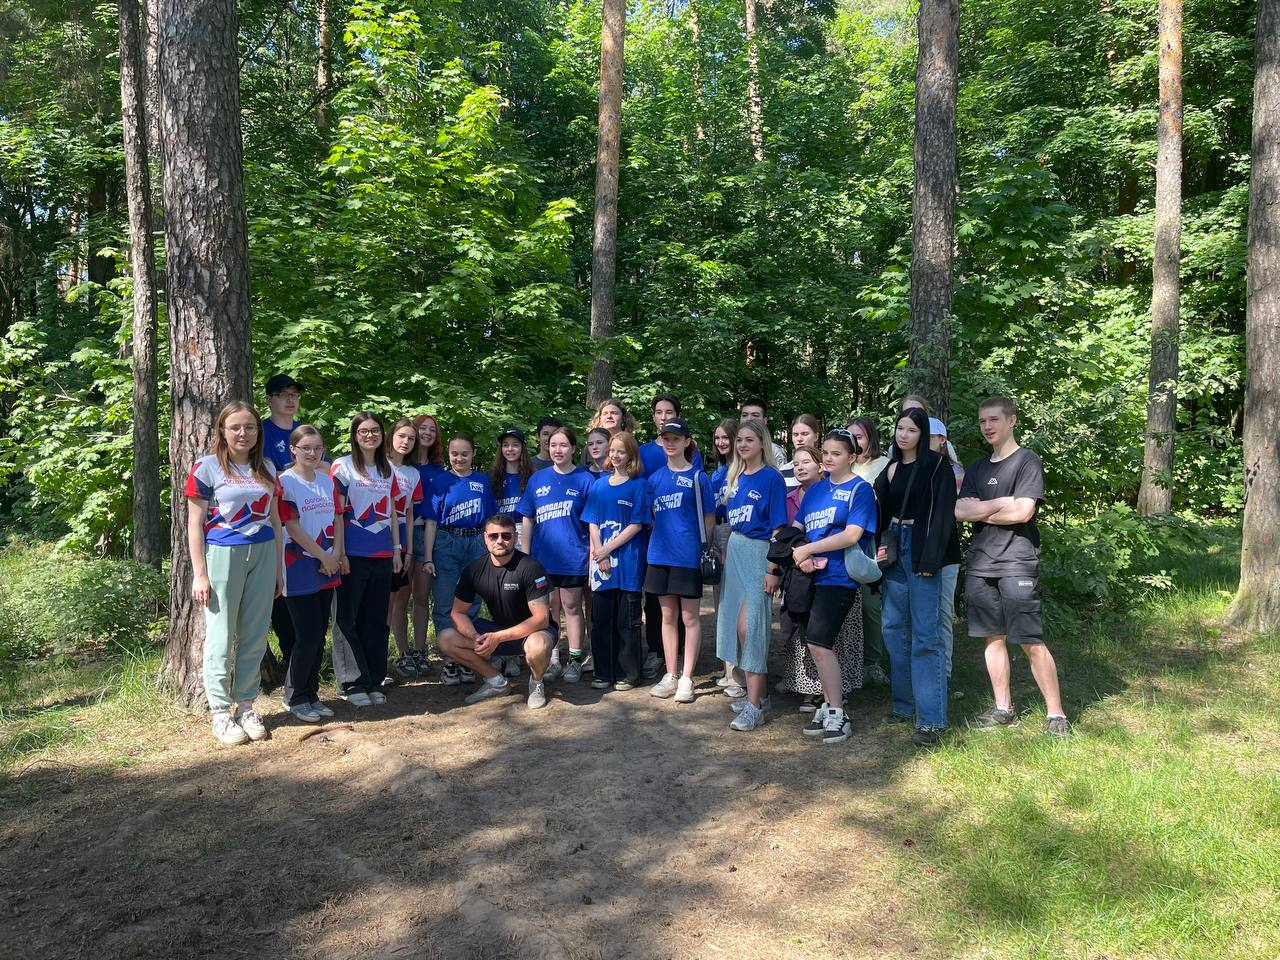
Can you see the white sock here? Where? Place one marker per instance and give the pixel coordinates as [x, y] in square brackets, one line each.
[497, 680]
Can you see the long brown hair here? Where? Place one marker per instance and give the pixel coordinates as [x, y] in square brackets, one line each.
[628, 421]
[379, 452]
[498, 472]
[257, 463]
[300, 433]
[628, 440]
[730, 426]
[435, 452]
[410, 457]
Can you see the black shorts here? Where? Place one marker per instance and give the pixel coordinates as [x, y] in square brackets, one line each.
[568, 581]
[664, 581]
[826, 615]
[1004, 605]
[508, 648]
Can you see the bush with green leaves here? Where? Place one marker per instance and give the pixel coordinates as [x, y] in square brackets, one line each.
[55, 602]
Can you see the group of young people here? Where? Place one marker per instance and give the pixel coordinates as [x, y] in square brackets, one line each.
[861, 546]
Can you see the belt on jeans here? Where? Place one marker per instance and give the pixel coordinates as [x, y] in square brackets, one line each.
[463, 531]
[902, 523]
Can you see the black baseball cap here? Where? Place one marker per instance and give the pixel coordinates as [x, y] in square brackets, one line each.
[282, 381]
[679, 427]
[512, 432]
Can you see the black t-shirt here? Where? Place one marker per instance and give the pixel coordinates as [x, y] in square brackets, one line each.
[507, 590]
[997, 550]
[917, 505]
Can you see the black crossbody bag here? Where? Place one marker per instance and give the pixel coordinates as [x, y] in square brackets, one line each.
[887, 552]
[708, 560]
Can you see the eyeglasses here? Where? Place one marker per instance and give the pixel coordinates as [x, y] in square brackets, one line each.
[310, 449]
[503, 535]
[371, 432]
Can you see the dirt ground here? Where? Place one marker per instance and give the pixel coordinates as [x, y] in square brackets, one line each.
[609, 825]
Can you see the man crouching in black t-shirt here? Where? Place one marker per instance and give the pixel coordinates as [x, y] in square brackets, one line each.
[1000, 496]
[514, 587]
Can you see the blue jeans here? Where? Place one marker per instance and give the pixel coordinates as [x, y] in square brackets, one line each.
[947, 577]
[452, 552]
[913, 638]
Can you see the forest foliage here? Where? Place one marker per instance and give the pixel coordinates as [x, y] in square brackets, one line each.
[428, 250]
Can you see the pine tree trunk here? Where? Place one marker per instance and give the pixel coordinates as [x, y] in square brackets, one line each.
[1257, 603]
[99, 269]
[695, 26]
[933, 203]
[604, 239]
[755, 109]
[210, 355]
[1156, 493]
[148, 526]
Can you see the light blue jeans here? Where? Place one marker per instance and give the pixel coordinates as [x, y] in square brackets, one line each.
[913, 638]
[947, 578]
[452, 552]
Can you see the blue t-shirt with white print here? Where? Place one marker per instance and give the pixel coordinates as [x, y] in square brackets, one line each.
[554, 501]
[674, 540]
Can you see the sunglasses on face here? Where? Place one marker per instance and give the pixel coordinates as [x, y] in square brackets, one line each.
[502, 535]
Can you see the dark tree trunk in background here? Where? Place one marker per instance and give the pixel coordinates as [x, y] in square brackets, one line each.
[148, 526]
[1156, 493]
[604, 238]
[933, 203]
[210, 353]
[324, 64]
[99, 269]
[1257, 604]
[755, 109]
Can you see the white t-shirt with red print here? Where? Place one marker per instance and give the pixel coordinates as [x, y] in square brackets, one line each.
[311, 503]
[366, 523]
[239, 503]
[409, 490]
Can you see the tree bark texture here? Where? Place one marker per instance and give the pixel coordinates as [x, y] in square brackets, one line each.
[210, 353]
[933, 203]
[148, 526]
[604, 237]
[324, 63]
[1155, 495]
[99, 269]
[695, 27]
[1257, 603]
[755, 108]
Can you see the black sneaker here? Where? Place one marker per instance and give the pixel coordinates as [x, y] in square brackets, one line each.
[926, 737]
[994, 717]
[421, 665]
[837, 727]
[817, 723]
[465, 675]
[450, 676]
[810, 704]
[1058, 727]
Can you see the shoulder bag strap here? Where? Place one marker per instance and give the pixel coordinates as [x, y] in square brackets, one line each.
[697, 498]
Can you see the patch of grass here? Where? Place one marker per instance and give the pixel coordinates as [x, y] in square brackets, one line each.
[1155, 830]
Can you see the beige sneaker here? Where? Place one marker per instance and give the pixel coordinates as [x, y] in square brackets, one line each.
[665, 687]
[249, 722]
[684, 690]
[228, 732]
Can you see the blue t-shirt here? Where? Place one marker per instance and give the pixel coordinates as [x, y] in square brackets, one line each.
[674, 541]
[613, 508]
[718, 481]
[828, 508]
[759, 504]
[275, 443]
[653, 457]
[554, 502]
[456, 501]
[511, 493]
[427, 472]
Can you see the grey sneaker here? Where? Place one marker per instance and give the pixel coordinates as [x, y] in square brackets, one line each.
[684, 690]
[421, 665]
[512, 669]
[321, 709]
[404, 668]
[994, 717]
[651, 666]
[749, 717]
[537, 695]
[358, 699]
[665, 687]
[624, 685]
[588, 664]
[573, 672]
[305, 712]
[1058, 727]
[377, 699]
[228, 732]
[552, 672]
[818, 722]
[735, 692]
[737, 706]
[249, 722]
[490, 689]
[876, 674]
[837, 728]
[600, 683]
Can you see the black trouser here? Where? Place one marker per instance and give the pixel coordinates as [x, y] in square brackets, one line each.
[360, 643]
[310, 615]
[653, 626]
[282, 624]
[615, 634]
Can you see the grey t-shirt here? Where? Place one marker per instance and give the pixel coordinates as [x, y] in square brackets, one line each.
[998, 550]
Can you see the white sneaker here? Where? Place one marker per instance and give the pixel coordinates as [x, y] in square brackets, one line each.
[749, 717]
[377, 699]
[537, 695]
[737, 706]
[838, 727]
[816, 726]
[305, 712]
[358, 699]
[227, 731]
[321, 709]
[735, 692]
[552, 672]
[249, 722]
[665, 687]
[684, 690]
[490, 689]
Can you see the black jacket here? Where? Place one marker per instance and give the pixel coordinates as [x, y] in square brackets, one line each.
[937, 543]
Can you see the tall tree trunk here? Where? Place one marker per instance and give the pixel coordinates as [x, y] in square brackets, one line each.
[100, 269]
[1257, 603]
[604, 239]
[699, 132]
[148, 526]
[1156, 493]
[210, 354]
[933, 203]
[324, 64]
[755, 110]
